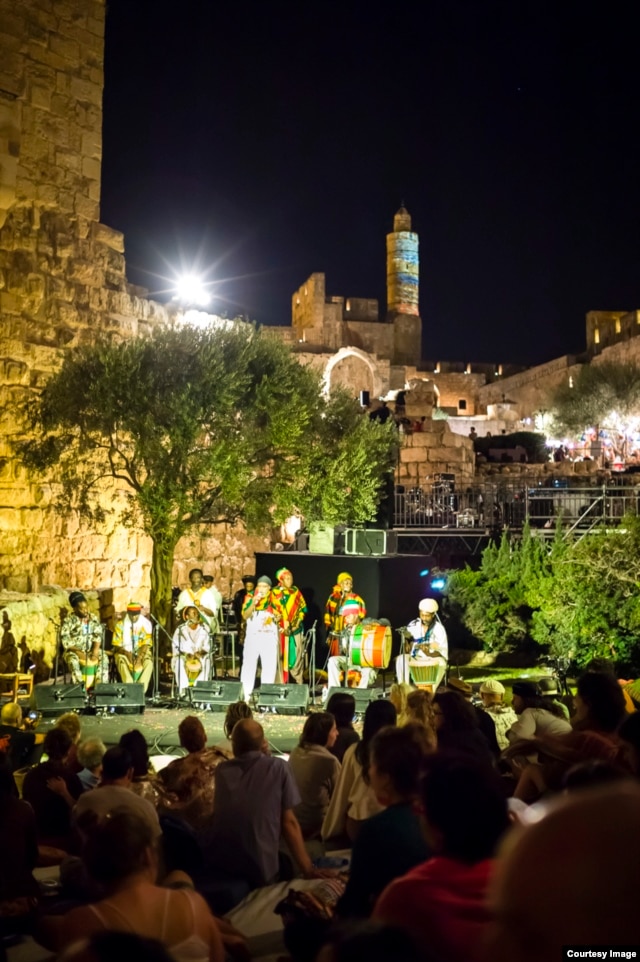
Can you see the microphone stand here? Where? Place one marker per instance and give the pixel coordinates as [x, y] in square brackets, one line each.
[311, 651]
[157, 628]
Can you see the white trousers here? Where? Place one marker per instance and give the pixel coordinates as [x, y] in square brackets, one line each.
[181, 674]
[260, 645]
[403, 672]
[338, 664]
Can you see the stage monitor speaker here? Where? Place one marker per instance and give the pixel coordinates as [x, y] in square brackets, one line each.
[363, 696]
[120, 698]
[369, 542]
[57, 699]
[321, 538]
[216, 695]
[284, 699]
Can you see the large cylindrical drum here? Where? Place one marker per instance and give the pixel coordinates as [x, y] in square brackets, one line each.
[371, 646]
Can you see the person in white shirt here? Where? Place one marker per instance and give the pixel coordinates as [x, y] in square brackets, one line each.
[191, 660]
[534, 716]
[206, 601]
[426, 641]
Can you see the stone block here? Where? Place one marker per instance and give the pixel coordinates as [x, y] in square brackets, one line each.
[91, 168]
[65, 47]
[86, 92]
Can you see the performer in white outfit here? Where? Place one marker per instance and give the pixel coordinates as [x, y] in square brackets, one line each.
[426, 640]
[262, 639]
[351, 613]
[191, 660]
[205, 600]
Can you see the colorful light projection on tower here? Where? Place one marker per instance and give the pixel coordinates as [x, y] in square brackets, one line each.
[403, 267]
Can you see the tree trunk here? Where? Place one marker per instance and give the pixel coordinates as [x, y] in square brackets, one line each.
[161, 567]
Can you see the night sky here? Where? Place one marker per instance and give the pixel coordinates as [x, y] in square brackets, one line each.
[263, 141]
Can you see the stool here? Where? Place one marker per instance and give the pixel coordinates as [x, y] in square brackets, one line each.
[18, 680]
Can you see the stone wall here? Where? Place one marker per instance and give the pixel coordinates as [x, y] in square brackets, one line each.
[62, 283]
[531, 390]
[435, 449]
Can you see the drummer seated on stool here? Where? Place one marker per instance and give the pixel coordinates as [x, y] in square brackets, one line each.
[425, 641]
[132, 640]
[191, 644]
[351, 613]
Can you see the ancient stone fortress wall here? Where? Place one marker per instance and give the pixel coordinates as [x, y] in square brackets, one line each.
[62, 283]
[531, 390]
[434, 450]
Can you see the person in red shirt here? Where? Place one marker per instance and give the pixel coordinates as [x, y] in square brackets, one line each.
[442, 902]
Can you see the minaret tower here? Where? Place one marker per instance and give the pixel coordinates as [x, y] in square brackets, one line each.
[403, 268]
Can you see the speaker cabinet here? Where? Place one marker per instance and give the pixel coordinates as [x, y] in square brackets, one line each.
[120, 699]
[321, 537]
[369, 541]
[363, 696]
[57, 699]
[284, 699]
[216, 695]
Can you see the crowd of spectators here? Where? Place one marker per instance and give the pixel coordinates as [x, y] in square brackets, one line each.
[466, 824]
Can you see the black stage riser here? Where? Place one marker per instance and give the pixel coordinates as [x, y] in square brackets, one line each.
[391, 585]
[284, 699]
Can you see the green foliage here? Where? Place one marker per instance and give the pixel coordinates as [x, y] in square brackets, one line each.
[204, 425]
[573, 598]
[603, 395]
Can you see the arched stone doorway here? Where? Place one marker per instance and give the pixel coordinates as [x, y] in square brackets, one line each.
[353, 370]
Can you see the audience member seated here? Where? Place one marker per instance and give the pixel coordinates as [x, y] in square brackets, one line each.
[19, 854]
[70, 722]
[120, 854]
[567, 879]
[90, 754]
[315, 771]
[398, 694]
[599, 703]
[354, 800]
[18, 745]
[457, 726]
[535, 714]
[144, 780]
[484, 723]
[236, 711]
[342, 706]
[390, 843]
[503, 716]
[106, 946]
[115, 792]
[442, 902]
[255, 798]
[419, 710]
[548, 689]
[629, 735]
[186, 784]
[52, 790]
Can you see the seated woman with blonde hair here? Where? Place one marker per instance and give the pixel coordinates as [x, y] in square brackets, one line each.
[398, 694]
[420, 711]
[120, 854]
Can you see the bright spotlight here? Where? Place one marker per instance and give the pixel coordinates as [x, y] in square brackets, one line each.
[190, 289]
[438, 583]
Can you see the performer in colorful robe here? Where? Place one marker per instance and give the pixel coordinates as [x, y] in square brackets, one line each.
[81, 640]
[333, 620]
[291, 608]
[425, 640]
[132, 641]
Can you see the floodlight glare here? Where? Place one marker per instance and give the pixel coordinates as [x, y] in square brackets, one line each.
[438, 583]
[190, 289]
